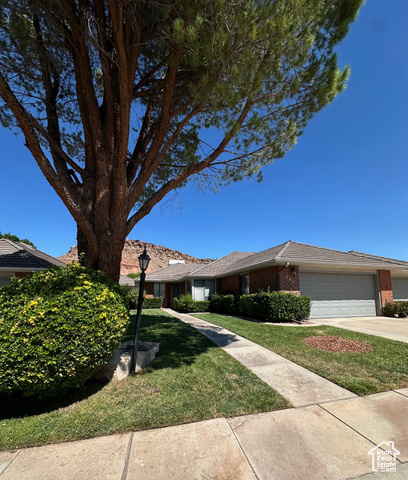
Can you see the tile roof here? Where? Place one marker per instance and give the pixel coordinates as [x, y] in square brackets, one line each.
[392, 260]
[218, 266]
[256, 258]
[292, 252]
[18, 255]
[174, 272]
[302, 253]
[308, 253]
[125, 280]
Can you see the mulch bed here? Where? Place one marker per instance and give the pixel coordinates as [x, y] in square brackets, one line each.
[337, 344]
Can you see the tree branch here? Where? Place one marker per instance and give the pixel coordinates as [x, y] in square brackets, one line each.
[64, 191]
[87, 101]
[51, 89]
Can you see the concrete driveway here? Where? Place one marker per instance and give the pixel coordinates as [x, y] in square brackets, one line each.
[386, 327]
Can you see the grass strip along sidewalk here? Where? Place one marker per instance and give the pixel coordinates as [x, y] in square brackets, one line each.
[383, 368]
[190, 380]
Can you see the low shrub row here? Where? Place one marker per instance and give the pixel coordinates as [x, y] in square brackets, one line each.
[152, 302]
[186, 304]
[275, 306]
[227, 304]
[396, 309]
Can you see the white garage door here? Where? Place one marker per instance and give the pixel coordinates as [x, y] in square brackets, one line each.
[338, 294]
[400, 288]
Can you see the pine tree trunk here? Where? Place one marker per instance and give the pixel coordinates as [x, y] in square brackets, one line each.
[108, 255]
[104, 204]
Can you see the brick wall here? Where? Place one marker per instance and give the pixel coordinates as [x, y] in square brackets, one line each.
[289, 280]
[149, 288]
[23, 274]
[230, 284]
[384, 280]
[262, 279]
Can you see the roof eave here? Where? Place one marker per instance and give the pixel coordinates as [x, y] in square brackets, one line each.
[316, 264]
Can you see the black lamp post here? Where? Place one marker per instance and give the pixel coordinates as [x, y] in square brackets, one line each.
[144, 260]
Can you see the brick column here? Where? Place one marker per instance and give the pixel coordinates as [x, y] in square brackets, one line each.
[289, 280]
[384, 279]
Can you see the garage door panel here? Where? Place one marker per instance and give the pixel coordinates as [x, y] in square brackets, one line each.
[339, 295]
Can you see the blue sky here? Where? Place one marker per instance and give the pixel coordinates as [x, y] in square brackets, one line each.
[344, 185]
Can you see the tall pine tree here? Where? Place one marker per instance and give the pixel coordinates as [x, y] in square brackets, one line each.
[115, 98]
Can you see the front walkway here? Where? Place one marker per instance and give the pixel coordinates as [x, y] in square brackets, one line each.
[297, 384]
[386, 327]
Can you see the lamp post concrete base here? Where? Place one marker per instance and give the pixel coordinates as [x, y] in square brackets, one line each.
[119, 365]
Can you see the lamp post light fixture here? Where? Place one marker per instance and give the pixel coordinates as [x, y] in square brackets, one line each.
[144, 260]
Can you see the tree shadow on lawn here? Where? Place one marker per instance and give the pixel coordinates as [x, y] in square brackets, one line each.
[16, 405]
[180, 345]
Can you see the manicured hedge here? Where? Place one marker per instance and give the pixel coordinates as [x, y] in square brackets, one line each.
[57, 327]
[275, 306]
[186, 304]
[152, 302]
[227, 304]
[400, 309]
[202, 305]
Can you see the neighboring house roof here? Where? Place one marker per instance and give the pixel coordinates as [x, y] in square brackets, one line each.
[216, 268]
[124, 280]
[18, 256]
[292, 252]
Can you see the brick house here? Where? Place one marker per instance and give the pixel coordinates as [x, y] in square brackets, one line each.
[17, 259]
[340, 284]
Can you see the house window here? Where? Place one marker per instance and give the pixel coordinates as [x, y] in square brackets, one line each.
[203, 289]
[159, 290]
[244, 284]
[176, 290]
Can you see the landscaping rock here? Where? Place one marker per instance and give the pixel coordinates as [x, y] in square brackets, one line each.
[119, 365]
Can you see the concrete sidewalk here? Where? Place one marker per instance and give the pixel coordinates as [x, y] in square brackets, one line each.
[319, 442]
[297, 384]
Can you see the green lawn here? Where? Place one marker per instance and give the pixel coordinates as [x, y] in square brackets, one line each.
[190, 380]
[383, 368]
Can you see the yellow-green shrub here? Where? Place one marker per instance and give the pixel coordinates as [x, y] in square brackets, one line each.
[57, 327]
